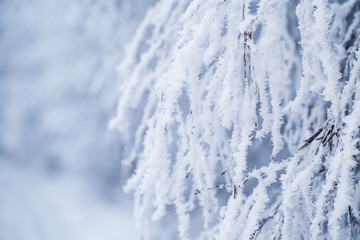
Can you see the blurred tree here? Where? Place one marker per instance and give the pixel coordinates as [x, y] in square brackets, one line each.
[57, 76]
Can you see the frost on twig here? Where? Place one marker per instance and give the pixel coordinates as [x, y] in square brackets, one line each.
[216, 101]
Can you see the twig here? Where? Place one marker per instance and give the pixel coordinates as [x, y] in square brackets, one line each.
[311, 139]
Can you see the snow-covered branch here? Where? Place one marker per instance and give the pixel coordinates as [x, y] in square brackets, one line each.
[207, 87]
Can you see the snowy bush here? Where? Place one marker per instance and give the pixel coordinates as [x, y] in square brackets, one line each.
[249, 111]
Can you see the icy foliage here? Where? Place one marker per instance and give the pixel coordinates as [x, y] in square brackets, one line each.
[208, 86]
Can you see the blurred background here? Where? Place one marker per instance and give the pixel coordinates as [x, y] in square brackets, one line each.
[60, 167]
